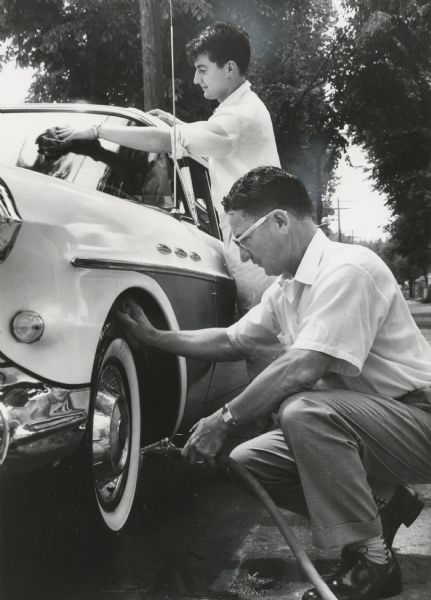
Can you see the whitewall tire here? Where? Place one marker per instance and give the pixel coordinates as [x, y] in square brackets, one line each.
[115, 430]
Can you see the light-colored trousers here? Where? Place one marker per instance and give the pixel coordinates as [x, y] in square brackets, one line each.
[329, 449]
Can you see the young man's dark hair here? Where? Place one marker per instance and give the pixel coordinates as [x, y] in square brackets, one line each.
[266, 188]
[222, 42]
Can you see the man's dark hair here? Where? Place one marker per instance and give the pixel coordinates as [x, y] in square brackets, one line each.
[222, 42]
[266, 188]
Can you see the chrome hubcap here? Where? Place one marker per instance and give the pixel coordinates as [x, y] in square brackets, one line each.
[111, 435]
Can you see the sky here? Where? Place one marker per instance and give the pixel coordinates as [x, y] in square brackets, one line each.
[363, 213]
[14, 84]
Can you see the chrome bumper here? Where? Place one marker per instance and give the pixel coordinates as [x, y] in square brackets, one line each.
[39, 423]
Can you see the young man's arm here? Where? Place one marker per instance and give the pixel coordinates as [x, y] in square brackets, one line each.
[205, 344]
[147, 139]
[202, 138]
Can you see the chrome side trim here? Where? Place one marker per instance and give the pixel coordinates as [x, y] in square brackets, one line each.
[120, 265]
[6, 434]
[55, 423]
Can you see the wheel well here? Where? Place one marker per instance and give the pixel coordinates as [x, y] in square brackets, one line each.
[160, 380]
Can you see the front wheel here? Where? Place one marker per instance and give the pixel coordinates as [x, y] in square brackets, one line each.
[115, 430]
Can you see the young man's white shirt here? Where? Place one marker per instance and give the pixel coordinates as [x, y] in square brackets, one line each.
[237, 138]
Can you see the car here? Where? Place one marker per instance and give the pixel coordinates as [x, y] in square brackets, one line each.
[83, 227]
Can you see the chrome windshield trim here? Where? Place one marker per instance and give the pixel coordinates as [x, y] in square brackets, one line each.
[148, 268]
[6, 433]
[8, 211]
[10, 221]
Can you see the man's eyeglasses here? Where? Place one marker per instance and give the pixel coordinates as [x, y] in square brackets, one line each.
[238, 240]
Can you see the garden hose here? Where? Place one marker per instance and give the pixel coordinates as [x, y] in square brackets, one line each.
[165, 447]
[291, 539]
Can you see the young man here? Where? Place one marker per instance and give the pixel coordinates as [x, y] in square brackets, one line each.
[348, 381]
[237, 137]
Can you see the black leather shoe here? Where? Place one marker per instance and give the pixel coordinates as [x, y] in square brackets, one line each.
[403, 508]
[357, 578]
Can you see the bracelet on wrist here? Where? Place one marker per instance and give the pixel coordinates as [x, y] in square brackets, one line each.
[95, 129]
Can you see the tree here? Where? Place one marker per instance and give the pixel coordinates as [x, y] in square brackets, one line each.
[384, 93]
[151, 53]
[91, 50]
[77, 48]
[398, 263]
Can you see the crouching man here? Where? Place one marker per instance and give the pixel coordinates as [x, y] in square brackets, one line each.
[348, 381]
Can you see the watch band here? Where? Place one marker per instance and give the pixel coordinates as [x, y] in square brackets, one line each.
[228, 417]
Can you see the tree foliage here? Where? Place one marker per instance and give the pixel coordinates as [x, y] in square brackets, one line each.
[383, 82]
[78, 48]
[91, 50]
[378, 67]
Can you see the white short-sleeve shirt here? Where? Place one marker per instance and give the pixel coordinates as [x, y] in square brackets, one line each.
[344, 302]
[236, 138]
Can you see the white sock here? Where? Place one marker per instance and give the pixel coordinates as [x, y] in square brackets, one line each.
[375, 549]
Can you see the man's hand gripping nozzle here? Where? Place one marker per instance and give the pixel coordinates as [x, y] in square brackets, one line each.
[163, 447]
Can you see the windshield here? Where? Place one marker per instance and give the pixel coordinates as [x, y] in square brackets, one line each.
[96, 164]
[29, 141]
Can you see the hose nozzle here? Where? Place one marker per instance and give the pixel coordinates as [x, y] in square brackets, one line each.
[163, 447]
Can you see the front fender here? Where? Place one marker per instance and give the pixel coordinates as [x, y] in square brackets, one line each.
[73, 323]
[43, 421]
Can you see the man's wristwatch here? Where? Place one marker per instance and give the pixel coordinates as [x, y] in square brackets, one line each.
[228, 417]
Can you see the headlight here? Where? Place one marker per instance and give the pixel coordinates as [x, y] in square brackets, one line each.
[27, 326]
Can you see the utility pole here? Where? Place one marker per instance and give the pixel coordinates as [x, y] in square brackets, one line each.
[339, 209]
[151, 54]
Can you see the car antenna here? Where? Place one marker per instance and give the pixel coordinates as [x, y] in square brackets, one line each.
[174, 146]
